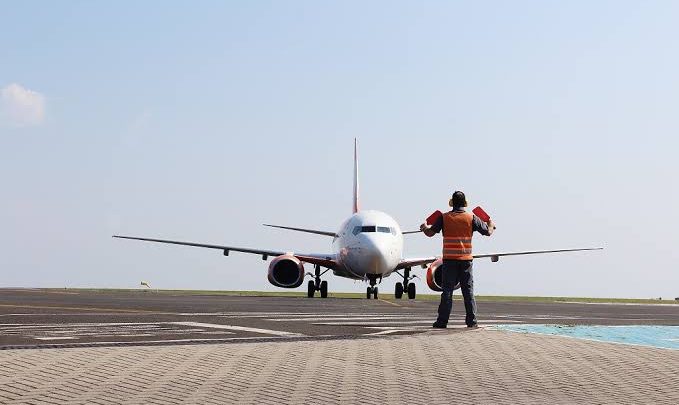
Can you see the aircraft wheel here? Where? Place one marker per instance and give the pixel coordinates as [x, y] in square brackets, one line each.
[311, 289]
[411, 291]
[324, 289]
[399, 291]
[368, 292]
[375, 292]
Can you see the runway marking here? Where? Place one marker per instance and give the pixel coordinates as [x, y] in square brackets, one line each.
[390, 303]
[366, 323]
[428, 320]
[387, 332]
[295, 314]
[86, 324]
[122, 329]
[55, 338]
[131, 335]
[620, 303]
[143, 342]
[341, 318]
[238, 328]
[114, 310]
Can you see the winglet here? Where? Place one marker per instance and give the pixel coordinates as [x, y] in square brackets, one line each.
[356, 207]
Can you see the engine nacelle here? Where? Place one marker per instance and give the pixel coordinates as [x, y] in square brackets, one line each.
[286, 271]
[434, 276]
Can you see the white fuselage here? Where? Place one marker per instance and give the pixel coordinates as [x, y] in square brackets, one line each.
[368, 245]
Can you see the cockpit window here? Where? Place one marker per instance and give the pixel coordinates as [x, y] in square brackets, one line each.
[380, 229]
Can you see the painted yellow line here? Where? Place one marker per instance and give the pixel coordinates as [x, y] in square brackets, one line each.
[389, 302]
[81, 308]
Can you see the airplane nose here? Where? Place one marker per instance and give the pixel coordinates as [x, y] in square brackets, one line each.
[372, 258]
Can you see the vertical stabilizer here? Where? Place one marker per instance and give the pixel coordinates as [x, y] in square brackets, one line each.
[356, 205]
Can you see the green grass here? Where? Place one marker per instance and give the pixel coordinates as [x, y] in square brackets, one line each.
[389, 296]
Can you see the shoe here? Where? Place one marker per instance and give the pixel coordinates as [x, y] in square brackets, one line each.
[473, 326]
[437, 325]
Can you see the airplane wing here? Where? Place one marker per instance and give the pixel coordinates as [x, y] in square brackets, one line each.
[413, 262]
[324, 260]
[314, 231]
[495, 256]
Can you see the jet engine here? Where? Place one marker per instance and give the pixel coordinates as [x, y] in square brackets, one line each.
[435, 277]
[286, 271]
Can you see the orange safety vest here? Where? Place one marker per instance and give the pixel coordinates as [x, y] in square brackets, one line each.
[457, 236]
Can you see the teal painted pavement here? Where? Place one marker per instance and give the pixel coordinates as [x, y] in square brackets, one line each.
[645, 335]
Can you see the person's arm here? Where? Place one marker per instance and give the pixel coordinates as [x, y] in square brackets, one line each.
[431, 230]
[481, 227]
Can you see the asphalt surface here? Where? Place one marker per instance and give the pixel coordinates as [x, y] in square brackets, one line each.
[34, 318]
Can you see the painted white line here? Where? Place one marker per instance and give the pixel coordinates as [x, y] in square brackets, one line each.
[123, 313]
[55, 338]
[76, 325]
[366, 323]
[330, 318]
[129, 335]
[542, 316]
[216, 340]
[283, 315]
[426, 327]
[115, 328]
[387, 332]
[422, 321]
[238, 328]
[620, 303]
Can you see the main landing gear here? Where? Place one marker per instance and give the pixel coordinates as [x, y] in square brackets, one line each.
[316, 284]
[406, 286]
[372, 290]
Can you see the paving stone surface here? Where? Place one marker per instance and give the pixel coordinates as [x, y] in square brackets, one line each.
[477, 366]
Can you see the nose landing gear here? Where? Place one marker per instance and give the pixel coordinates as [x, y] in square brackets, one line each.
[406, 286]
[316, 284]
[372, 290]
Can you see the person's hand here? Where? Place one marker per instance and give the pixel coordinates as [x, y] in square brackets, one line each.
[424, 227]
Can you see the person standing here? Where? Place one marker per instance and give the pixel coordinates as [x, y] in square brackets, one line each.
[457, 227]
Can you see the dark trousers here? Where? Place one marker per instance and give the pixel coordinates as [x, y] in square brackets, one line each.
[457, 271]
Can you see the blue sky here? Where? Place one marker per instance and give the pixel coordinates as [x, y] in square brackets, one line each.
[202, 120]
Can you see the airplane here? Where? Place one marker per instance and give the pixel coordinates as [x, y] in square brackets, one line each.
[368, 246]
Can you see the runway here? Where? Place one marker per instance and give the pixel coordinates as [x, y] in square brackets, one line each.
[37, 318]
[113, 347]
